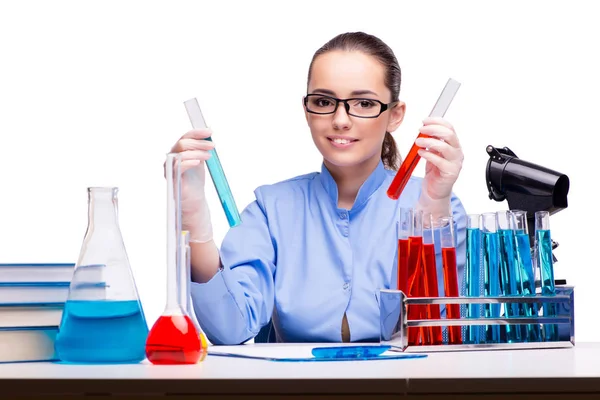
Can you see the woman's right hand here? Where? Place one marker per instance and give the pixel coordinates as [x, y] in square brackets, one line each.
[195, 215]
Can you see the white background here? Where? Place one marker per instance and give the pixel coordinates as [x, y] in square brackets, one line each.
[91, 94]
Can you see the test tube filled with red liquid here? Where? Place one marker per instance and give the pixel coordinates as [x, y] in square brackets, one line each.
[447, 240]
[412, 159]
[430, 277]
[416, 283]
[405, 229]
[173, 339]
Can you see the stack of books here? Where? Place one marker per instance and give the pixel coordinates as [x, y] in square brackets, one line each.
[32, 299]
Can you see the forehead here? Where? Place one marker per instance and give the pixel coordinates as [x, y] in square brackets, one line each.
[346, 71]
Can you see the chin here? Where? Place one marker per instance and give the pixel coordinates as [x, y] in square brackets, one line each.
[345, 157]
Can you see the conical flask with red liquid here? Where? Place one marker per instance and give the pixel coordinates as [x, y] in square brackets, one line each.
[103, 320]
[174, 339]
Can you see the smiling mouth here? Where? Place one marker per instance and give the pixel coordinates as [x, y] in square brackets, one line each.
[342, 141]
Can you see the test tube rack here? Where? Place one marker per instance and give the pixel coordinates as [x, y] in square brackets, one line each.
[394, 322]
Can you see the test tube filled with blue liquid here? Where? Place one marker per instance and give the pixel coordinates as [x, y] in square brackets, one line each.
[491, 272]
[472, 276]
[510, 278]
[543, 259]
[214, 167]
[532, 332]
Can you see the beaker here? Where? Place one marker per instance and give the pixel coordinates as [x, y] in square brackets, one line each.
[473, 275]
[430, 278]
[103, 320]
[173, 338]
[510, 278]
[405, 228]
[448, 240]
[525, 266]
[544, 262]
[491, 272]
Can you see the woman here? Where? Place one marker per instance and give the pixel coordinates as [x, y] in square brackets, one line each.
[313, 250]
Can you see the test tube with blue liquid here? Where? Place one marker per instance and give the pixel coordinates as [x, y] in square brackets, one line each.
[472, 276]
[532, 332]
[491, 272]
[214, 167]
[543, 259]
[510, 278]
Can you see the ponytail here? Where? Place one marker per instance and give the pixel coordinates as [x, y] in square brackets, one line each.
[389, 153]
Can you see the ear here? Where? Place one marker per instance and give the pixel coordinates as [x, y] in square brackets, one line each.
[396, 116]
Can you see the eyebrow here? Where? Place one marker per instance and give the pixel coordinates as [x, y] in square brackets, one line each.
[354, 93]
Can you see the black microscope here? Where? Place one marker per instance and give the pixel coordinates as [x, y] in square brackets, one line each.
[526, 186]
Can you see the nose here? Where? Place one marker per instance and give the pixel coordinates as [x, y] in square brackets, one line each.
[341, 119]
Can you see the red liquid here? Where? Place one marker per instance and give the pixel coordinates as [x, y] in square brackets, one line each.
[404, 172]
[403, 265]
[173, 340]
[416, 286]
[431, 290]
[451, 289]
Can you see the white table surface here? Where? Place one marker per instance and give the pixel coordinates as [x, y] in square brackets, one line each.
[504, 371]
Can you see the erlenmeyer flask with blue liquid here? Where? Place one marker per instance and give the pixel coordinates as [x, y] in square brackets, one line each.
[103, 320]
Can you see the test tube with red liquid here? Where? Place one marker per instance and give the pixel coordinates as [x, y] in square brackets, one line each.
[412, 159]
[430, 277]
[173, 338]
[405, 228]
[447, 240]
[416, 283]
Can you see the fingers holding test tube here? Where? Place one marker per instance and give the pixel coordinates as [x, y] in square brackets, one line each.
[443, 153]
[194, 148]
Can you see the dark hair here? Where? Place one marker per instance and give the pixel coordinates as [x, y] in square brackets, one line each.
[375, 47]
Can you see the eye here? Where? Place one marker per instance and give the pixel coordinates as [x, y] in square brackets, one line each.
[364, 103]
[322, 102]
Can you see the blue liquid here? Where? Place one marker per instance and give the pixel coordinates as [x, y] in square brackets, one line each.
[491, 284]
[544, 261]
[102, 331]
[510, 280]
[220, 181]
[472, 275]
[533, 333]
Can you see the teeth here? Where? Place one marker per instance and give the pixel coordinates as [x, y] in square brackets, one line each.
[341, 141]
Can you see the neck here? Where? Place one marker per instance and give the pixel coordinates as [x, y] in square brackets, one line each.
[350, 179]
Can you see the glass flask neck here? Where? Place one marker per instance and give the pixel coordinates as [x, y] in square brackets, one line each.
[102, 207]
[175, 266]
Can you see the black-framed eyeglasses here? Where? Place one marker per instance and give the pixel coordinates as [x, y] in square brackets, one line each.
[357, 107]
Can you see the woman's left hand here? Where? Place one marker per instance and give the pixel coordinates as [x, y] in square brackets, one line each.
[444, 156]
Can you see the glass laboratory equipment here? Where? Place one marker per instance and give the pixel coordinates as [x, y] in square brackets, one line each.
[186, 298]
[491, 272]
[544, 263]
[405, 228]
[532, 332]
[448, 240]
[412, 159]
[430, 279]
[214, 167]
[173, 338]
[510, 278]
[103, 320]
[416, 287]
[473, 275]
